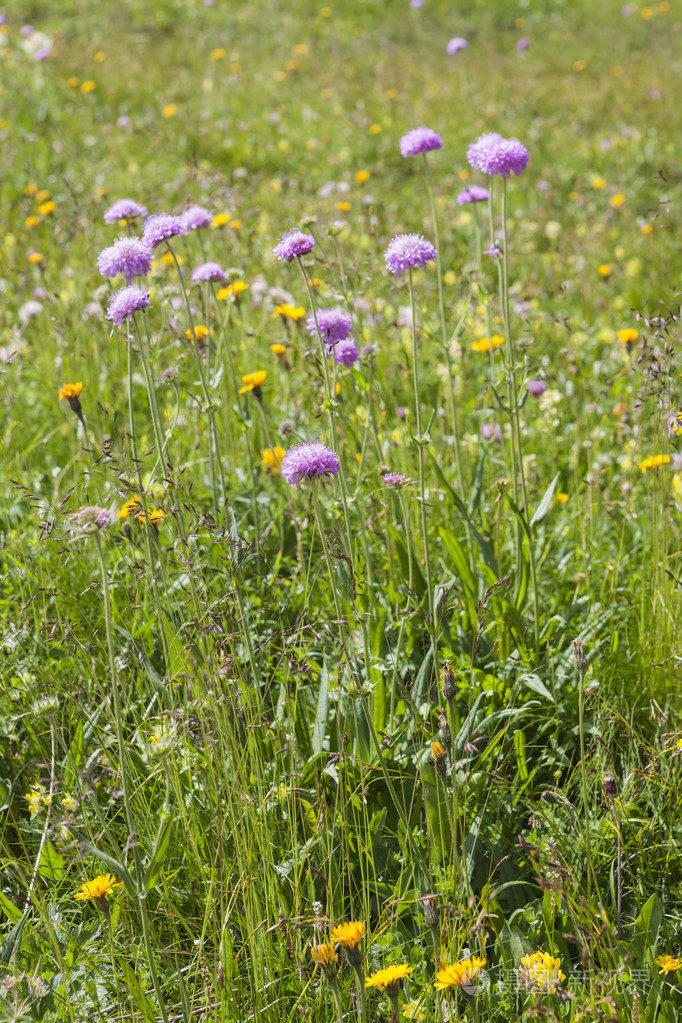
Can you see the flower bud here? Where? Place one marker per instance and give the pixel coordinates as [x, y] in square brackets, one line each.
[448, 681]
[579, 657]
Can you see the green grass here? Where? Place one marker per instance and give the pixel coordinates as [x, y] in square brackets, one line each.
[233, 712]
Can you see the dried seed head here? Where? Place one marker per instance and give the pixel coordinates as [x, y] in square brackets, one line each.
[579, 657]
[445, 733]
[431, 914]
[448, 681]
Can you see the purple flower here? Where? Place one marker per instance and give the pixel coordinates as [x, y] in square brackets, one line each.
[334, 325]
[416, 5]
[473, 193]
[309, 461]
[103, 518]
[395, 479]
[420, 140]
[123, 209]
[125, 302]
[490, 430]
[26, 30]
[408, 250]
[131, 257]
[522, 43]
[493, 154]
[195, 217]
[536, 388]
[494, 251]
[293, 244]
[160, 226]
[345, 352]
[209, 272]
[455, 45]
[43, 53]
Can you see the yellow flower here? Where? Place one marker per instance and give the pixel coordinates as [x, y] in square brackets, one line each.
[200, 332]
[100, 56]
[579, 65]
[326, 957]
[234, 225]
[219, 219]
[647, 228]
[45, 208]
[154, 517]
[668, 964]
[290, 65]
[252, 381]
[132, 507]
[350, 934]
[541, 972]
[35, 800]
[458, 974]
[170, 110]
[604, 270]
[389, 979]
[235, 69]
[325, 12]
[72, 393]
[361, 176]
[620, 408]
[562, 498]
[73, 82]
[484, 344]
[647, 13]
[598, 183]
[289, 312]
[628, 335]
[42, 195]
[375, 129]
[98, 888]
[169, 260]
[36, 258]
[653, 462]
[412, 1011]
[271, 460]
[300, 49]
[343, 206]
[88, 86]
[277, 349]
[233, 290]
[218, 53]
[617, 200]
[69, 803]
[437, 753]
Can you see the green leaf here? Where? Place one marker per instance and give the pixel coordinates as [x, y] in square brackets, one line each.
[156, 862]
[51, 863]
[113, 864]
[535, 683]
[545, 504]
[9, 909]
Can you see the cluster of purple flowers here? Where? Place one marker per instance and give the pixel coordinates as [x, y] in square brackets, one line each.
[293, 244]
[125, 302]
[161, 226]
[333, 325]
[420, 140]
[208, 272]
[395, 480]
[473, 193]
[455, 45]
[195, 217]
[492, 154]
[310, 460]
[131, 257]
[407, 251]
[124, 209]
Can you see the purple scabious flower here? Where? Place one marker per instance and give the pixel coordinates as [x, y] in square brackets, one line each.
[26, 30]
[345, 352]
[334, 325]
[131, 257]
[209, 272]
[455, 45]
[195, 217]
[419, 140]
[494, 251]
[309, 461]
[123, 209]
[490, 431]
[493, 154]
[473, 193]
[293, 244]
[395, 479]
[125, 302]
[522, 43]
[160, 226]
[43, 53]
[408, 250]
[536, 387]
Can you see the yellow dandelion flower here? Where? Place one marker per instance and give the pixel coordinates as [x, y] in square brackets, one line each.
[437, 752]
[413, 1011]
[232, 290]
[234, 225]
[647, 13]
[30, 188]
[36, 258]
[278, 349]
[132, 507]
[663, 7]
[32, 221]
[219, 219]
[343, 206]
[375, 129]
[290, 65]
[42, 195]
[628, 335]
[598, 183]
[100, 57]
[289, 312]
[654, 462]
[300, 49]
[326, 957]
[253, 381]
[98, 888]
[349, 934]
[562, 498]
[45, 208]
[200, 332]
[579, 65]
[169, 260]
[604, 270]
[485, 344]
[389, 979]
[617, 200]
[71, 393]
[541, 973]
[170, 110]
[88, 86]
[218, 54]
[154, 517]
[362, 176]
[458, 974]
[271, 460]
[73, 82]
[668, 964]
[647, 228]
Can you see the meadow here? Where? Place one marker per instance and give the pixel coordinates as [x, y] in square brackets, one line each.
[339, 513]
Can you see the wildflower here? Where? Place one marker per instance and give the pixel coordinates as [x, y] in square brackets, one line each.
[458, 974]
[89, 519]
[473, 193]
[439, 757]
[289, 312]
[485, 344]
[195, 217]
[35, 801]
[406, 251]
[562, 498]
[32, 221]
[389, 979]
[449, 682]
[375, 129]
[455, 45]
[628, 335]
[271, 460]
[579, 657]
[333, 325]
[131, 507]
[350, 934]
[124, 209]
[36, 258]
[598, 183]
[45, 208]
[536, 388]
[395, 480]
[170, 110]
[88, 86]
[98, 889]
[200, 332]
[493, 154]
[412, 1011]
[160, 226]
[420, 140]
[494, 251]
[126, 302]
[654, 462]
[312, 460]
[541, 973]
[278, 349]
[345, 352]
[218, 53]
[668, 964]
[73, 82]
[604, 270]
[362, 176]
[131, 257]
[208, 272]
[72, 393]
[491, 430]
[235, 289]
[675, 425]
[219, 220]
[293, 244]
[154, 517]
[69, 803]
[617, 200]
[326, 957]
[252, 382]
